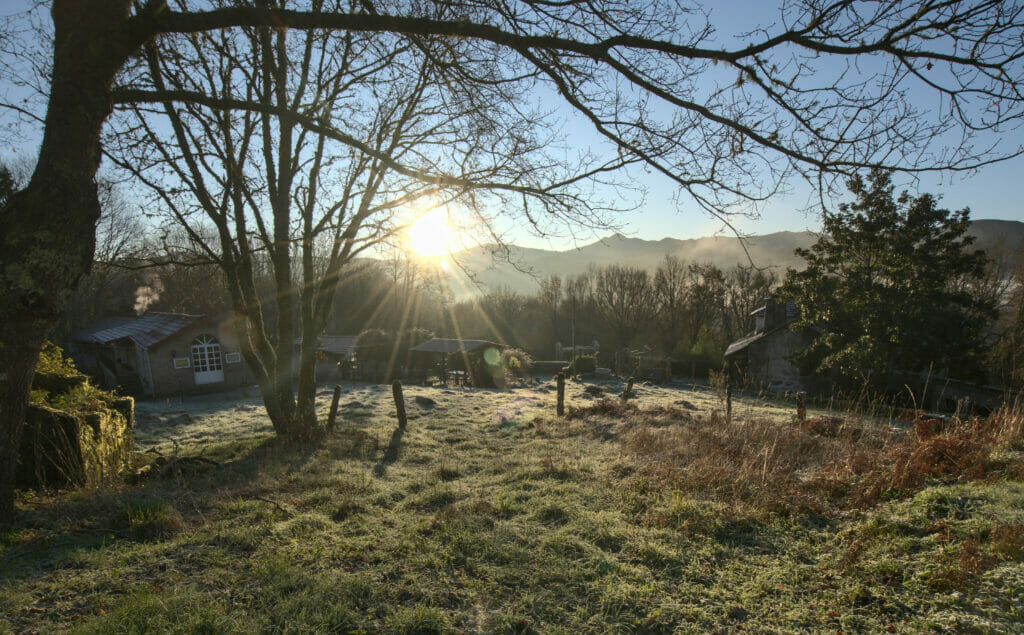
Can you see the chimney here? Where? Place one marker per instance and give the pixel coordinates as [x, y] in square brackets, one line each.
[774, 313]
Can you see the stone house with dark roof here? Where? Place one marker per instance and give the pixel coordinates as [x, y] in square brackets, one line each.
[763, 357]
[160, 354]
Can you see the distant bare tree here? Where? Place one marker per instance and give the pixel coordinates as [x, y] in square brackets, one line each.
[746, 289]
[549, 298]
[671, 282]
[622, 297]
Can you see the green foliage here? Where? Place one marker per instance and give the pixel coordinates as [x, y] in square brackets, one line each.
[375, 344]
[53, 361]
[516, 362]
[706, 349]
[887, 288]
[83, 398]
[584, 364]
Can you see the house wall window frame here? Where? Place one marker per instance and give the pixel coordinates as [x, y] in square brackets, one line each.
[207, 359]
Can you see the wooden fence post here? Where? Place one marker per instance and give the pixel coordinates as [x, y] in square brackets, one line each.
[334, 408]
[628, 391]
[801, 407]
[396, 390]
[560, 408]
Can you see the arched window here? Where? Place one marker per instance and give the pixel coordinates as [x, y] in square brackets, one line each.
[207, 363]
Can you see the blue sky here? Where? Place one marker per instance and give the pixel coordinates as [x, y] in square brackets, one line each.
[991, 192]
[995, 191]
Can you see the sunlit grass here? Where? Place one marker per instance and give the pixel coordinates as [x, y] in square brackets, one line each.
[576, 525]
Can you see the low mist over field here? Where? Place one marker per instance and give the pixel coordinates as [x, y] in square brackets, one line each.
[1002, 239]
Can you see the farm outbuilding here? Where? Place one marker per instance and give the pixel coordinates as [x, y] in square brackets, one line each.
[336, 357]
[162, 354]
[448, 356]
[763, 357]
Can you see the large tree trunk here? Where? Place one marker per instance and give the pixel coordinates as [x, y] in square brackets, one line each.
[49, 227]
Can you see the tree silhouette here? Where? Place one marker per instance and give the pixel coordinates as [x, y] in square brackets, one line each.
[887, 288]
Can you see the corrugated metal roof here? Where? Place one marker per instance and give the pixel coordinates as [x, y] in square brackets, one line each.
[335, 344]
[450, 346]
[338, 344]
[145, 331]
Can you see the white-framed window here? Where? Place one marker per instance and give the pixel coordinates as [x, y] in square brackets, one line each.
[206, 355]
[232, 358]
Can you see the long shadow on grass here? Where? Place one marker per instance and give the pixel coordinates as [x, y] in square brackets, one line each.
[151, 511]
[391, 454]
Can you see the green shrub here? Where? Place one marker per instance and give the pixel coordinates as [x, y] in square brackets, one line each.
[516, 362]
[584, 364]
[375, 344]
[53, 361]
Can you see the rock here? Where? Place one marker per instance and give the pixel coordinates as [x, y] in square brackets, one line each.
[126, 406]
[424, 401]
[685, 404]
[60, 449]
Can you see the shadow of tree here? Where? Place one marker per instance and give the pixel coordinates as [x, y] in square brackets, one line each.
[152, 510]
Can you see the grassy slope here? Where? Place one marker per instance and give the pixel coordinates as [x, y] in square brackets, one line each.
[483, 518]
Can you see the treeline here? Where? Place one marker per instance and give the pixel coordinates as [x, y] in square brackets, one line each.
[684, 310]
[681, 309]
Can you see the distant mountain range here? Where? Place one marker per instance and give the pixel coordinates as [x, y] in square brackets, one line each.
[524, 266]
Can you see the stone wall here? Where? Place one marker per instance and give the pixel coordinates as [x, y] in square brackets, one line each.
[63, 449]
[769, 367]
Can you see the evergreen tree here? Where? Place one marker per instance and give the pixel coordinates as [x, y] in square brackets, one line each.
[888, 288]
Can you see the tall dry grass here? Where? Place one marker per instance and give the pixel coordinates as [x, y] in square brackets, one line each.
[821, 464]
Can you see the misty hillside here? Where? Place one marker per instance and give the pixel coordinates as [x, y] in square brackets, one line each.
[1003, 239]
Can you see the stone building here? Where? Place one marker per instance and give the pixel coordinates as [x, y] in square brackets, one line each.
[763, 357]
[161, 354]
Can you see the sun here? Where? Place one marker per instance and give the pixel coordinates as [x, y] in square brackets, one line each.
[431, 235]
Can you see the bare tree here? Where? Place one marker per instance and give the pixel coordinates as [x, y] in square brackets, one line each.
[549, 297]
[671, 281]
[745, 290]
[314, 198]
[622, 297]
[726, 121]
